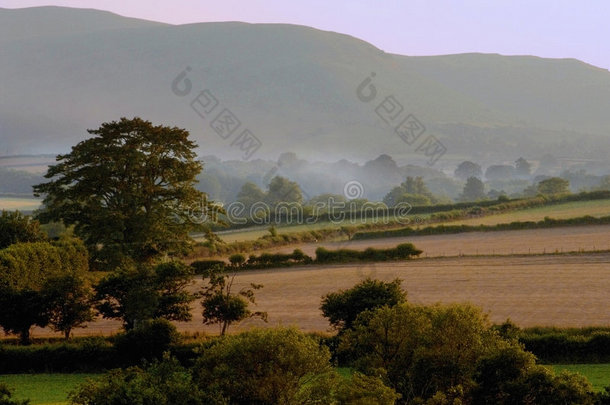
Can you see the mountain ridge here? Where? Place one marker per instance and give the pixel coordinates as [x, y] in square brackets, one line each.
[294, 87]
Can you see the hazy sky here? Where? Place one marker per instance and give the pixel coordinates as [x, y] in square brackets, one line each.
[550, 28]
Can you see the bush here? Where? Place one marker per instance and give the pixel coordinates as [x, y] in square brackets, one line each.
[260, 367]
[343, 307]
[6, 395]
[403, 251]
[565, 346]
[161, 383]
[202, 267]
[82, 355]
[147, 341]
[237, 260]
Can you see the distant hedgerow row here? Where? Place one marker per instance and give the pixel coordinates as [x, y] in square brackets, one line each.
[445, 229]
[237, 261]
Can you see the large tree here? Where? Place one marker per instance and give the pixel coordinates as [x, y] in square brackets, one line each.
[223, 306]
[140, 293]
[468, 169]
[554, 185]
[282, 190]
[474, 190]
[343, 307]
[129, 191]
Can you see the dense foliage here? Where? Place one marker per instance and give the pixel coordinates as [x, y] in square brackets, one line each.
[128, 191]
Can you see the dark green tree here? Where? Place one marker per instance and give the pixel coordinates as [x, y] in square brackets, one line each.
[468, 169]
[70, 302]
[343, 307]
[128, 191]
[224, 307]
[249, 194]
[21, 309]
[160, 383]
[16, 227]
[25, 270]
[554, 185]
[416, 185]
[474, 190]
[283, 190]
[136, 294]
[264, 366]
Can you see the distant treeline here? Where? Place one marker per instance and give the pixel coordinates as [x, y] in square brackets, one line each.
[445, 229]
[439, 212]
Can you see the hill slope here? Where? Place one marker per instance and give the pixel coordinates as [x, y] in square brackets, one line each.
[294, 87]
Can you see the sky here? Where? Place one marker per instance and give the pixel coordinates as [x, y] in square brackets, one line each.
[549, 28]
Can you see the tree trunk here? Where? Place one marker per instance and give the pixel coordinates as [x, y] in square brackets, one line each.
[67, 334]
[24, 336]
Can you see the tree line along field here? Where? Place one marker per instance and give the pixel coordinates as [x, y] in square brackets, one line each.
[594, 208]
[523, 242]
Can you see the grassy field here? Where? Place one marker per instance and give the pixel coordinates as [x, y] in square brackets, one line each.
[595, 208]
[597, 374]
[47, 389]
[21, 204]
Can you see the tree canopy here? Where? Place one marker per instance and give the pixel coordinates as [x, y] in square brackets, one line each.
[16, 227]
[129, 191]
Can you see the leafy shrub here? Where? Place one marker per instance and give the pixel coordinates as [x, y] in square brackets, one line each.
[203, 266]
[82, 355]
[260, 367]
[6, 397]
[147, 341]
[161, 383]
[401, 252]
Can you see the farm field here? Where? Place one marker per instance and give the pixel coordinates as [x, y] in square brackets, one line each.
[44, 389]
[597, 374]
[595, 208]
[21, 204]
[552, 290]
[531, 241]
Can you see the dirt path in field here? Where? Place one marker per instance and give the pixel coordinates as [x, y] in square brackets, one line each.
[562, 290]
[566, 239]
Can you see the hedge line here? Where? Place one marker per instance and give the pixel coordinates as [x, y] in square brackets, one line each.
[403, 251]
[98, 354]
[561, 347]
[445, 229]
[497, 205]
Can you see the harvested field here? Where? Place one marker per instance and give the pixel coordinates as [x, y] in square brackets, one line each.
[560, 290]
[567, 239]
